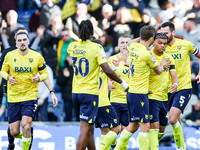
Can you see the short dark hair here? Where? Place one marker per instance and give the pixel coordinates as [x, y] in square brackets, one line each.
[191, 19]
[21, 33]
[146, 32]
[85, 30]
[168, 24]
[20, 28]
[160, 36]
[65, 29]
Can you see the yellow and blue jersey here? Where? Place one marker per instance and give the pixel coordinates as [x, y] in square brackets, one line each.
[87, 57]
[180, 52]
[118, 95]
[141, 61]
[103, 90]
[159, 84]
[22, 68]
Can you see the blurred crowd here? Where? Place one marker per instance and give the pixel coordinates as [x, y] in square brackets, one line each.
[54, 24]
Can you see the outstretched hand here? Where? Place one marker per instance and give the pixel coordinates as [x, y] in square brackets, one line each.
[54, 99]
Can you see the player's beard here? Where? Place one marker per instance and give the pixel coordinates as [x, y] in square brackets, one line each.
[23, 49]
[170, 39]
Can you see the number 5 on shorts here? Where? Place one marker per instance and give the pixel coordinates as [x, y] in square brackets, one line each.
[182, 99]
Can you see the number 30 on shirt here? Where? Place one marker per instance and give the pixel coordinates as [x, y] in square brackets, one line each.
[79, 69]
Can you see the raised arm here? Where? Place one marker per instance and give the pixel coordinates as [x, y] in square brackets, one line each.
[112, 75]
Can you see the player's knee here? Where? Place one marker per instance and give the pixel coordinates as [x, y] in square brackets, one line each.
[154, 125]
[14, 132]
[144, 127]
[116, 129]
[172, 120]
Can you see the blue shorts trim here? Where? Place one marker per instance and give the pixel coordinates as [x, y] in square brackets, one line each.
[179, 99]
[122, 113]
[17, 110]
[158, 111]
[87, 105]
[106, 117]
[138, 106]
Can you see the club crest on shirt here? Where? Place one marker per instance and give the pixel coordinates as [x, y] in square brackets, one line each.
[15, 59]
[179, 46]
[30, 60]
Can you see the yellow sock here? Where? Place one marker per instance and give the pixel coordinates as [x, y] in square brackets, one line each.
[122, 142]
[102, 137]
[25, 143]
[178, 135]
[107, 140]
[160, 135]
[20, 135]
[114, 142]
[143, 140]
[153, 139]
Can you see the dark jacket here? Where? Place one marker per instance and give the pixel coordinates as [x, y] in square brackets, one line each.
[66, 82]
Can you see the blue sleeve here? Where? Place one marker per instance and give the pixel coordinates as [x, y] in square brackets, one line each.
[4, 101]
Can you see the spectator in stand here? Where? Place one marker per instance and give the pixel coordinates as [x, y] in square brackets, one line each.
[48, 10]
[73, 22]
[10, 27]
[6, 5]
[166, 13]
[195, 12]
[107, 43]
[65, 73]
[62, 46]
[25, 5]
[146, 20]
[49, 44]
[135, 7]
[64, 79]
[122, 25]
[108, 16]
[178, 23]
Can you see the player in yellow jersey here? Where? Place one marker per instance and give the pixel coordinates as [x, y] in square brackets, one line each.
[87, 59]
[107, 117]
[47, 83]
[20, 68]
[180, 50]
[118, 95]
[159, 86]
[141, 61]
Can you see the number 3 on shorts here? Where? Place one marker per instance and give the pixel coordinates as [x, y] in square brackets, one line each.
[182, 98]
[35, 107]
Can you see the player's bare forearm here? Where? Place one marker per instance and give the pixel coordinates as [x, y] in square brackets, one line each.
[174, 86]
[110, 73]
[174, 77]
[48, 84]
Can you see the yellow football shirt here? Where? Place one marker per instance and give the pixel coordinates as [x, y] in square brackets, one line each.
[180, 52]
[22, 68]
[118, 95]
[103, 90]
[159, 84]
[87, 57]
[141, 61]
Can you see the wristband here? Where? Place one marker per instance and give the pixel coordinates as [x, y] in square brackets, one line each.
[124, 85]
[52, 91]
[176, 84]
